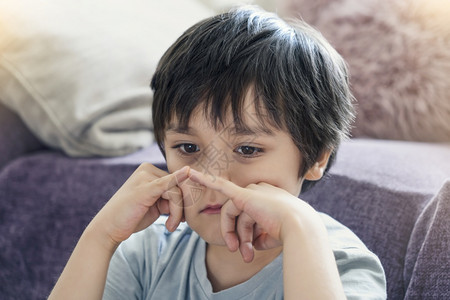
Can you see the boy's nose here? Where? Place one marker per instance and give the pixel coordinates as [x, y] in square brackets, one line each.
[217, 170]
[215, 162]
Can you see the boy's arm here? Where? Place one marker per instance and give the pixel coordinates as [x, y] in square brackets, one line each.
[84, 276]
[308, 262]
[148, 193]
[309, 267]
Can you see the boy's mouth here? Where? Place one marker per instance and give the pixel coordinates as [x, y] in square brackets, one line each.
[212, 209]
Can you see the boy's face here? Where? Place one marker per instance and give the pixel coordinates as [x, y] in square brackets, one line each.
[241, 157]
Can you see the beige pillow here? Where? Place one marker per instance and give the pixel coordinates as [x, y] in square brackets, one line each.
[78, 72]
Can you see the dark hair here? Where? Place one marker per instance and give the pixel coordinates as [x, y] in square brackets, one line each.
[300, 82]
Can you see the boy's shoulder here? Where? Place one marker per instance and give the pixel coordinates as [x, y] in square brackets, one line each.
[341, 236]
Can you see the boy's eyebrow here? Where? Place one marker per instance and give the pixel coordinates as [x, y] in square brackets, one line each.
[240, 130]
[258, 130]
[183, 130]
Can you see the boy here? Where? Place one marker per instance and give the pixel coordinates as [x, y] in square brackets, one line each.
[246, 108]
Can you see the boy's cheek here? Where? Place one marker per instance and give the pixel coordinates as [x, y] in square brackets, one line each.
[171, 166]
[244, 177]
[272, 177]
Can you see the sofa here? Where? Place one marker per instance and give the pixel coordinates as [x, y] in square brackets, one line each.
[66, 143]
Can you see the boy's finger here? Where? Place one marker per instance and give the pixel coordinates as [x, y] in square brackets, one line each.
[245, 230]
[163, 206]
[228, 215]
[158, 172]
[175, 208]
[263, 241]
[175, 195]
[226, 187]
[163, 184]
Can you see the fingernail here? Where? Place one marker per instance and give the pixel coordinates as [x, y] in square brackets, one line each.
[183, 170]
[194, 174]
[170, 226]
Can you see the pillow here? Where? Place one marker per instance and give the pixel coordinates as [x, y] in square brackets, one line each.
[78, 72]
[399, 61]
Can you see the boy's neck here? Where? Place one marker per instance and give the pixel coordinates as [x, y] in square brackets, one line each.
[226, 269]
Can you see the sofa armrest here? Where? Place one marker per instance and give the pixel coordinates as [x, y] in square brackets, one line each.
[379, 189]
[427, 261]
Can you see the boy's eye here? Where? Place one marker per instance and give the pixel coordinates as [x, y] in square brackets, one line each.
[248, 150]
[188, 148]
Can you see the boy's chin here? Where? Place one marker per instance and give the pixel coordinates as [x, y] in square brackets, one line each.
[216, 241]
[209, 235]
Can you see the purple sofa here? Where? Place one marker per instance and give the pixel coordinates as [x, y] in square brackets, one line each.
[394, 195]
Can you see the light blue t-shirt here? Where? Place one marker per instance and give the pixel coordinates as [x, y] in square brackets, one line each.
[157, 264]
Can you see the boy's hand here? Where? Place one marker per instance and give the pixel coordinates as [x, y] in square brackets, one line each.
[148, 193]
[257, 215]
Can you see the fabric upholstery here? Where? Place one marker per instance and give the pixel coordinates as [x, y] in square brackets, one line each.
[15, 137]
[427, 262]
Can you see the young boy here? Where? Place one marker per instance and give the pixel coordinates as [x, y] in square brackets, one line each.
[246, 108]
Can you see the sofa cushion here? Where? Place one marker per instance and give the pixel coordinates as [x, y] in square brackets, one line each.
[77, 72]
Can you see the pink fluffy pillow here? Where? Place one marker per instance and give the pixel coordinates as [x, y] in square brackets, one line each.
[398, 53]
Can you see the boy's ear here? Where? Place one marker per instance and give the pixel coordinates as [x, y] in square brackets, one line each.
[317, 170]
